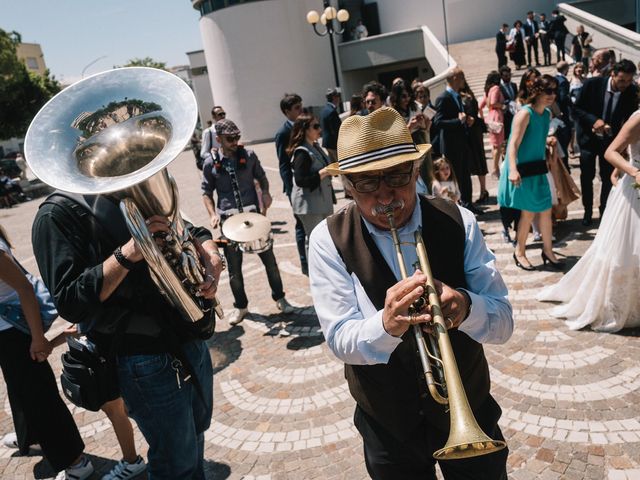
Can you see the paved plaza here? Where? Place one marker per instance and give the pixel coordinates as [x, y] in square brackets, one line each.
[282, 409]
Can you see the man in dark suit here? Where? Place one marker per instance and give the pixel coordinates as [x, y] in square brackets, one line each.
[501, 45]
[510, 92]
[545, 39]
[330, 121]
[291, 107]
[532, 32]
[450, 122]
[602, 107]
[563, 134]
[558, 32]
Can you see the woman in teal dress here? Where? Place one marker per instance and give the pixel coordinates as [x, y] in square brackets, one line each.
[523, 184]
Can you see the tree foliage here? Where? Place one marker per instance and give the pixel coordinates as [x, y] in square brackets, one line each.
[22, 93]
[145, 62]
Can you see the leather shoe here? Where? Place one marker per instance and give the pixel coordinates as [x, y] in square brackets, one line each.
[587, 220]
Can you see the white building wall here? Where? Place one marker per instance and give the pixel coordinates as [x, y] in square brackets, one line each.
[466, 19]
[201, 87]
[255, 52]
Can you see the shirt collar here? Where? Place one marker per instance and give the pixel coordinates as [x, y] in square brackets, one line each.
[414, 223]
[452, 91]
[610, 90]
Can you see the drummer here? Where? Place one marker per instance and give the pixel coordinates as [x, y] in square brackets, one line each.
[231, 173]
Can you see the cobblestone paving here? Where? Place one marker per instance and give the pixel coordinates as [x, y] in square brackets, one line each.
[282, 409]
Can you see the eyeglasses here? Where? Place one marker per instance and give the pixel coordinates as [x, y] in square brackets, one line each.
[232, 138]
[316, 126]
[221, 114]
[393, 179]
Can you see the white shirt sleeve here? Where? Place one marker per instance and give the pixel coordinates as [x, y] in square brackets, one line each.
[205, 150]
[350, 323]
[491, 317]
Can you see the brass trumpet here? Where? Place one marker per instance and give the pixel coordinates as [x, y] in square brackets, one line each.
[466, 438]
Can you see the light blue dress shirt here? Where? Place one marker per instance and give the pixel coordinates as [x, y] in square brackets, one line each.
[351, 324]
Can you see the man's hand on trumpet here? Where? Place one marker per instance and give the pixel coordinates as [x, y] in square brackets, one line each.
[396, 318]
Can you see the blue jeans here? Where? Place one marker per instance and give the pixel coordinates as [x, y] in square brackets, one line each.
[171, 415]
[236, 281]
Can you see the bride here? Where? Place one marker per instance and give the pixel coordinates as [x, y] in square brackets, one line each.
[601, 290]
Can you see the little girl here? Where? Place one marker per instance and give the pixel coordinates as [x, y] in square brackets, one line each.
[445, 184]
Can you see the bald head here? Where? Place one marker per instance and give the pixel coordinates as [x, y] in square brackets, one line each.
[455, 79]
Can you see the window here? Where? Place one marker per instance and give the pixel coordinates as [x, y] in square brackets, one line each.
[32, 63]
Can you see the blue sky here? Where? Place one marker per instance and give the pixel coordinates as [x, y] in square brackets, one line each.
[73, 33]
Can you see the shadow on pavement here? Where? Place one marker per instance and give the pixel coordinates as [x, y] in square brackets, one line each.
[225, 348]
[216, 471]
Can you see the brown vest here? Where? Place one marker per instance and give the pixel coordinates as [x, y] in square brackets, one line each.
[395, 394]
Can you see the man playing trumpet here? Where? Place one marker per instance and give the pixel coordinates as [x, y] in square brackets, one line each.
[367, 309]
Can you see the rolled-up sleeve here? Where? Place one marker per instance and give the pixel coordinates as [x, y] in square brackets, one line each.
[208, 184]
[491, 316]
[350, 323]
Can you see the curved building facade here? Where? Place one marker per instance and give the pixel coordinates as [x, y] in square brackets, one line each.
[256, 50]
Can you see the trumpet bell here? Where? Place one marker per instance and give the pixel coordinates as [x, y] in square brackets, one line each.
[111, 130]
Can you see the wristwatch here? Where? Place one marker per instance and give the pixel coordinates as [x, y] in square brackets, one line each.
[222, 259]
[122, 260]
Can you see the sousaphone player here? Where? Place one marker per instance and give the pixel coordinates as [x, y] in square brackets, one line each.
[231, 174]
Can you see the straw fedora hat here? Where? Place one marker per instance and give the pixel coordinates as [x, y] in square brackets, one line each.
[374, 142]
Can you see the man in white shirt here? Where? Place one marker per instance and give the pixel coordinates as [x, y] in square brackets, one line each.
[364, 305]
[209, 143]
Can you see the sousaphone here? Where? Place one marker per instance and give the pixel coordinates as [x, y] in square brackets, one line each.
[115, 133]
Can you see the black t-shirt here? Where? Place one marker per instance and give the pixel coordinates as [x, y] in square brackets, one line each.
[70, 255]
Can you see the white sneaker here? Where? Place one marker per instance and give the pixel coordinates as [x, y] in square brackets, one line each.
[78, 472]
[125, 471]
[237, 316]
[10, 440]
[537, 237]
[284, 306]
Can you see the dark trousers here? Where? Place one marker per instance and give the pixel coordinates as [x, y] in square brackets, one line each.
[510, 218]
[39, 414]
[463, 175]
[502, 58]
[387, 458]
[532, 44]
[588, 156]
[563, 135]
[545, 43]
[559, 41]
[236, 280]
[301, 243]
[301, 239]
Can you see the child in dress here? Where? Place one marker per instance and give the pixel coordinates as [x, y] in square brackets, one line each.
[444, 184]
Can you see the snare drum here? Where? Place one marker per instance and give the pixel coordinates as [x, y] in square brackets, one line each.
[251, 231]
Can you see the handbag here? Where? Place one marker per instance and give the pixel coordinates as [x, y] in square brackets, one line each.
[12, 312]
[494, 127]
[87, 375]
[511, 46]
[530, 169]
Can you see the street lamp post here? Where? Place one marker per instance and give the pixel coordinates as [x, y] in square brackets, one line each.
[327, 18]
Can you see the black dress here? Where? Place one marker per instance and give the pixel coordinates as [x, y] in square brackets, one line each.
[477, 159]
[517, 56]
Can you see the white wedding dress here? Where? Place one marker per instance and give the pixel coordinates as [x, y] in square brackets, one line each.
[601, 289]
